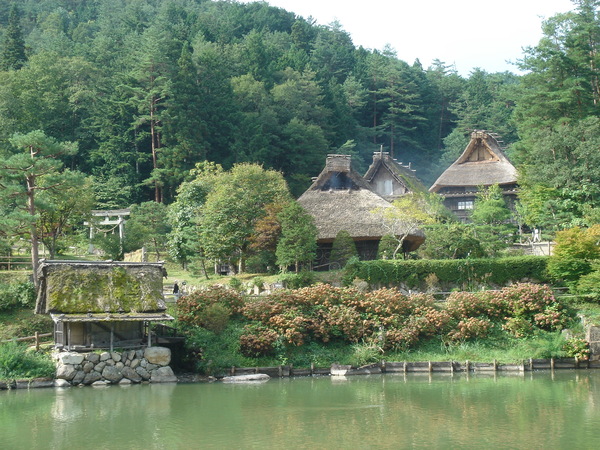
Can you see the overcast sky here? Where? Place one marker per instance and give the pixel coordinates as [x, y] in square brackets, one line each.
[467, 33]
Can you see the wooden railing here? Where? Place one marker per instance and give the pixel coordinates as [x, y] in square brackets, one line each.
[37, 338]
[14, 262]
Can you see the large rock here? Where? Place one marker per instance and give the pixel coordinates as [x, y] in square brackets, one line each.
[112, 374]
[92, 357]
[142, 373]
[91, 377]
[66, 372]
[131, 374]
[78, 378]
[70, 358]
[163, 375]
[61, 383]
[88, 366]
[158, 355]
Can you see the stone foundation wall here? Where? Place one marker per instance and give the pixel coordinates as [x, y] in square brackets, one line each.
[133, 366]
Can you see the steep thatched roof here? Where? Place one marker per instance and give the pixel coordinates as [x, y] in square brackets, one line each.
[90, 287]
[403, 178]
[340, 199]
[481, 164]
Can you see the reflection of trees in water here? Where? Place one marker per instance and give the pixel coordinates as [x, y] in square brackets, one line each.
[390, 411]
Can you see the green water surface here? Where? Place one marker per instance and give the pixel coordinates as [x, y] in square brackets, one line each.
[531, 411]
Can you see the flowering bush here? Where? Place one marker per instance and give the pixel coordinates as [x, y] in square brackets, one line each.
[470, 328]
[577, 348]
[257, 340]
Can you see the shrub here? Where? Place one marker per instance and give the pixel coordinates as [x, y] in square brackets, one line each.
[577, 348]
[17, 362]
[215, 317]
[536, 304]
[343, 248]
[470, 328]
[197, 307]
[257, 340]
[297, 280]
[465, 273]
[589, 285]
[17, 295]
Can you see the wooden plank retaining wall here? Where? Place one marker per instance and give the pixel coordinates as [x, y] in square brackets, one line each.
[423, 367]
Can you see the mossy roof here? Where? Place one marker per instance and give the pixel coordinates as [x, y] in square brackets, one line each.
[75, 287]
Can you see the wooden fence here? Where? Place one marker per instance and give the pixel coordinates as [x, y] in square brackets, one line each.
[15, 262]
[421, 367]
[37, 338]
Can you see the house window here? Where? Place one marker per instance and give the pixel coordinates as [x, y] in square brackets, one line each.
[465, 204]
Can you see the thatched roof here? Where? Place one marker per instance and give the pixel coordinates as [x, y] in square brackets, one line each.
[483, 163]
[340, 199]
[403, 178]
[91, 287]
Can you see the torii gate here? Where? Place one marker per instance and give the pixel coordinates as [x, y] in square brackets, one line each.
[111, 217]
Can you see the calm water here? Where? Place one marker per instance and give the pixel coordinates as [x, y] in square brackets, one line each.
[539, 410]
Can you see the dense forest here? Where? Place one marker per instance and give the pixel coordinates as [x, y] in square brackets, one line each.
[146, 89]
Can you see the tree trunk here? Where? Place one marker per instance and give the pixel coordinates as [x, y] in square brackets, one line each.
[35, 258]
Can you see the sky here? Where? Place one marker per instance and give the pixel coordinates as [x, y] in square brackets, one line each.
[464, 33]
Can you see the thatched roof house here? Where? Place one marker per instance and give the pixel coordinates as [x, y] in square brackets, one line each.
[391, 179]
[482, 164]
[340, 199]
[101, 304]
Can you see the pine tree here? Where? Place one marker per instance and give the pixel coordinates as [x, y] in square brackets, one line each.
[13, 51]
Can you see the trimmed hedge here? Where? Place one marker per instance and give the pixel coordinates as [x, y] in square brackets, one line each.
[450, 272]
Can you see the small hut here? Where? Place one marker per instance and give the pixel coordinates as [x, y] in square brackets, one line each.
[101, 305]
[391, 179]
[482, 164]
[341, 199]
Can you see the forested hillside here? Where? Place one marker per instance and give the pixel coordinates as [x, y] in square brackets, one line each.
[149, 88]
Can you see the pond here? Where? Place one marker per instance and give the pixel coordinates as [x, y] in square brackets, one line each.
[559, 409]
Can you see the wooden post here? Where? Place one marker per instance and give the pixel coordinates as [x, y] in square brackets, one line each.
[429, 366]
[495, 366]
[312, 369]
[280, 371]
[467, 366]
[404, 366]
[552, 363]
[531, 364]
[37, 341]
[112, 337]
[232, 372]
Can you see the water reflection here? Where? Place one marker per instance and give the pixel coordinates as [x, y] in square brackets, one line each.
[531, 410]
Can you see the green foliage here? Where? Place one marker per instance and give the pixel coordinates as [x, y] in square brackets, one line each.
[16, 295]
[574, 252]
[209, 308]
[13, 49]
[297, 244]
[343, 248]
[148, 226]
[452, 241]
[589, 285]
[459, 272]
[234, 204]
[17, 362]
[297, 280]
[387, 246]
[577, 348]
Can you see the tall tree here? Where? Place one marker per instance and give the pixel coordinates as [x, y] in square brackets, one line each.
[297, 244]
[232, 208]
[13, 50]
[34, 156]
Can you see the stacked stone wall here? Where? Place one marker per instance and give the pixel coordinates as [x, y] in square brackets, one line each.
[133, 366]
